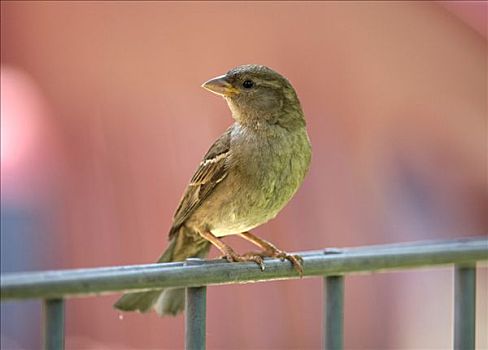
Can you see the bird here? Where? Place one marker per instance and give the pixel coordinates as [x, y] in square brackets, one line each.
[244, 180]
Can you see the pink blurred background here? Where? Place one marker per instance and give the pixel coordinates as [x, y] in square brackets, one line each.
[103, 122]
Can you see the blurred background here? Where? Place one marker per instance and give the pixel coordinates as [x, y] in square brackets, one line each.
[103, 122]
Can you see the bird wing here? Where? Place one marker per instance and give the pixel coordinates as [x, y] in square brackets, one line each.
[211, 171]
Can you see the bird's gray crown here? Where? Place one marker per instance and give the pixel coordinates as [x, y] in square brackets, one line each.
[258, 71]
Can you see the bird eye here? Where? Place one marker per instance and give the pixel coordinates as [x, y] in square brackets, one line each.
[247, 84]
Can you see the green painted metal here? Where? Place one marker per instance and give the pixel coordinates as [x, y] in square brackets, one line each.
[70, 283]
[464, 307]
[53, 324]
[196, 312]
[334, 312]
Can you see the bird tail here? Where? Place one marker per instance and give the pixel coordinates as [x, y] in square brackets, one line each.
[170, 301]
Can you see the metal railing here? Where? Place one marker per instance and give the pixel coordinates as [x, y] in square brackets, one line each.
[196, 274]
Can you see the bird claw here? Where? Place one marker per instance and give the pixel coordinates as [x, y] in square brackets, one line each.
[234, 257]
[295, 260]
[257, 257]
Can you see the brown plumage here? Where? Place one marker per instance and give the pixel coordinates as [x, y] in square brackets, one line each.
[212, 170]
[244, 180]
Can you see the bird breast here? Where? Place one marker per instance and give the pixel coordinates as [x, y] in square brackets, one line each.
[265, 170]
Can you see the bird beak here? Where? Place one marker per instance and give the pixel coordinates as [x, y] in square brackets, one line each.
[220, 86]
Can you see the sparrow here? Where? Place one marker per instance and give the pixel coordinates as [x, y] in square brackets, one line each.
[247, 176]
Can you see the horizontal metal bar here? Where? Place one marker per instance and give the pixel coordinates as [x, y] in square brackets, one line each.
[53, 324]
[69, 283]
[464, 307]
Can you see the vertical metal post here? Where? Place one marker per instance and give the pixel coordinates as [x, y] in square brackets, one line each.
[53, 324]
[333, 312]
[464, 307]
[195, 317]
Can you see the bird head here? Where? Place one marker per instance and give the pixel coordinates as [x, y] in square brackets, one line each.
[257, 95]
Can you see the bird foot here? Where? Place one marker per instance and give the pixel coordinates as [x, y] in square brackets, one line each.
[232, 256]
[295, 260]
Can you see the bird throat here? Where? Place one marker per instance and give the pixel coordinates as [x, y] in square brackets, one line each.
[254, 119]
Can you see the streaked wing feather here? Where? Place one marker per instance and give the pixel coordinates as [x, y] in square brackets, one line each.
[212, 170]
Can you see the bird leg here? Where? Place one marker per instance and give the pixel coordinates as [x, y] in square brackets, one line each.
[228, 253]
[271, 251]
